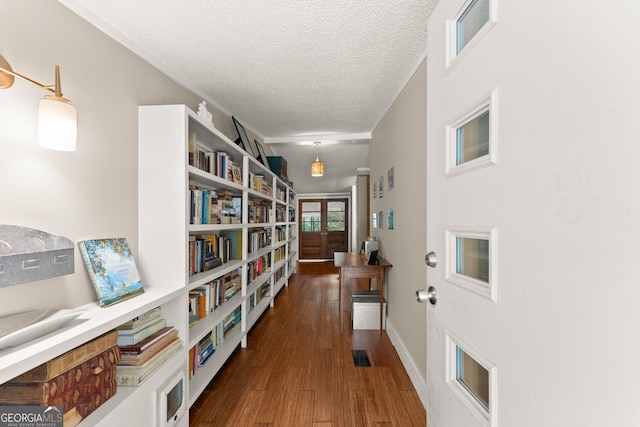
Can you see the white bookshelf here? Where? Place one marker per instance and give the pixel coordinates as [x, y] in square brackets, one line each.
[164, 227]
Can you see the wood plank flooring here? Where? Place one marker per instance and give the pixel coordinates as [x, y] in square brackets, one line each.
[298, 369]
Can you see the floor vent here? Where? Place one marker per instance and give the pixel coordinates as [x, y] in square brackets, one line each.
[360, 358]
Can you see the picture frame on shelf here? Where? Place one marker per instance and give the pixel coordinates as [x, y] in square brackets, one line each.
[243, 140]
[261, 157]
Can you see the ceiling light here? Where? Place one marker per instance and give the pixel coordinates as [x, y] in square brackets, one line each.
[57, 117]
[317, 167]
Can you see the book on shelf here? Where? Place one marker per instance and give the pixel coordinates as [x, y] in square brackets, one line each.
[149, 353]
[66, 388]
[237, 173]
[147, 342]
[112, 269]
[133, 336]
[89, 403]
[130, 375]
[203, 205]
[205, 349]
[139, 321]
[235, 239]
[70, 359]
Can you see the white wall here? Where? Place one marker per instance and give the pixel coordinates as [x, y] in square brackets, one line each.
[399, 142]
[90, 193]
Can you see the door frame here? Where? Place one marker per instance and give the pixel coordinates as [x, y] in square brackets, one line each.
[323, 198]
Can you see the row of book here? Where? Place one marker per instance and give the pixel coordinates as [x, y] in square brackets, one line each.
[263, 292]
[258, 266]
[261, 185]
[281, 214]
[259, 212]
[216, 163]
[281, 234]
[281, 194]
[209, 206]
[206, 346]
[279, 274]
[259, 238]
[80, 380]
[206, 298]
[212, 207]
[279, 254]
[207, 252]
[145, 344]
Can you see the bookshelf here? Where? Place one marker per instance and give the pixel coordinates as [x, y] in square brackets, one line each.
[189, 203]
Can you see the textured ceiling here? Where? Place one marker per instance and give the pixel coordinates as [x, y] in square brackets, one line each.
[290, 70]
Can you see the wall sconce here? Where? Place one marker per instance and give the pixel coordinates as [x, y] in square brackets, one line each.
[317, 167]
[57, 117]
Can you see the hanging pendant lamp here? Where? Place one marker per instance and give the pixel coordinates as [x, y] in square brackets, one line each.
[317, 167]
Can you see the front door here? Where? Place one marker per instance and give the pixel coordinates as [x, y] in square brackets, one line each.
[324, 228]
[533, 205]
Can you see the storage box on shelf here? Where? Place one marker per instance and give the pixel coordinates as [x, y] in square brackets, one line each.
[212, 219]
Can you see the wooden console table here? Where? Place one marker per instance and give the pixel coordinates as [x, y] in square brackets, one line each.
[353, 265]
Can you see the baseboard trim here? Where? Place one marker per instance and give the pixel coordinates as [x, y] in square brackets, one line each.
[418, 382]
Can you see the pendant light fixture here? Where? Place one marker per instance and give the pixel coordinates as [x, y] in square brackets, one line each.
[317, 167]
[57, 117]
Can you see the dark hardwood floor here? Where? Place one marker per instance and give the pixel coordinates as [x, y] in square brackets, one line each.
[298, 369]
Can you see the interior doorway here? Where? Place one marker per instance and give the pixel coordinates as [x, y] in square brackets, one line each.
[323, 227]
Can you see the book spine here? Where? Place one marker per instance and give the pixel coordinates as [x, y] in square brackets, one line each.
[92, 386]
[87, 262]
[140, 335]
[89, 404]
[141, 320]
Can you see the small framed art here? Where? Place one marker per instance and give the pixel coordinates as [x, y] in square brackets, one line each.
[243, 140]
[261, 157]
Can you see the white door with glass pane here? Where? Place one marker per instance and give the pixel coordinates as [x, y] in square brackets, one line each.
[533, 212]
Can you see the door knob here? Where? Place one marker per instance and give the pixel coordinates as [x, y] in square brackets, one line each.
[430, 295]
[431, 259]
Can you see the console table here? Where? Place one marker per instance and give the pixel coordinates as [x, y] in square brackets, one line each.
[353, 265]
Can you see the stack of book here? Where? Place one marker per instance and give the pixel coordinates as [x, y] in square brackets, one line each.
[145, 343]
[80, 380]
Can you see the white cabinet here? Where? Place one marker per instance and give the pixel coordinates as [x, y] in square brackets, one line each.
[175, 230]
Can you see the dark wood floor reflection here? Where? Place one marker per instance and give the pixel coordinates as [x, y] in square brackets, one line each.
[298, 367]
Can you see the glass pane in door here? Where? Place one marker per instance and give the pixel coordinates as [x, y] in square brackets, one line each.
[310, 217]
[473, 377]
[336, 215]
[470, 22]
[472, 139]
[472, 258]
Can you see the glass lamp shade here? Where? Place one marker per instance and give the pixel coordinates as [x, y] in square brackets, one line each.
[317, 168]
[57, 124]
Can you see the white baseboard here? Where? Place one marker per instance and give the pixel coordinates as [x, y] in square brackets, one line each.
[418, 382]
